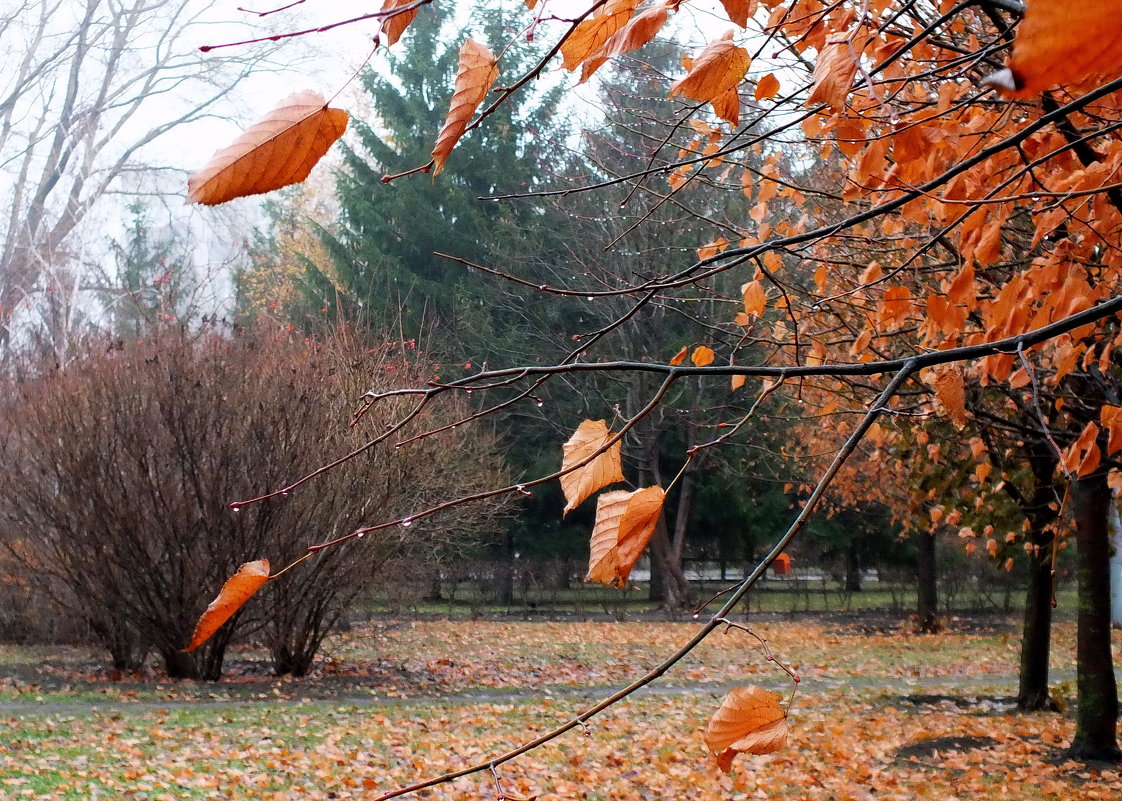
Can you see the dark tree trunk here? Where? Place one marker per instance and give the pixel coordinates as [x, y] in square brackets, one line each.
[179, 665]
[1096, 716]
[679, 593]
[852, 569]
[656, 592]
[1032, 690]
[1041, 510]
[504, 575]
[928, 601]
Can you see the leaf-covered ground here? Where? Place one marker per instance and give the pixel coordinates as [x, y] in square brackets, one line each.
[880, 716]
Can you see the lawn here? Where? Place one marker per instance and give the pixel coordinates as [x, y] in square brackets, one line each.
[881, 714]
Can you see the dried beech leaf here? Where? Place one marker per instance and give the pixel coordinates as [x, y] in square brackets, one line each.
[755, 298]
[834, 72]
[767, 87]
[603, 469]
[951, 394]
[737, 381]
[591, 34]
[636, 33]
[625, 522]
[750, 721]
[740, 10]
[477, 73]
[703, 356]
[235, 592]
[680, 356]
[726, 106]
[1062, 43]
[719, 67]
[393, 27]
[276, 151]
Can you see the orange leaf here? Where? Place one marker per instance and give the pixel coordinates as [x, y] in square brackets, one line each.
[951, 394]
[680, 356]
[1083, 455]
[721, 66]
[235, 592]
[726, 106]
[636, 33]
[591, 34]
[991, 547]
[737, 381]
[755, 298]
[1111, 417]
[625, 522]
[277, 150]
[393, 27]
[602, 469]
[750, 721]
[478, 71]
[1061, 43]
[834, 72]
[767, 87]
[739, 10]
[703, 356]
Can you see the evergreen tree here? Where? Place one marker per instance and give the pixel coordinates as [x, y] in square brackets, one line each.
[384, 268]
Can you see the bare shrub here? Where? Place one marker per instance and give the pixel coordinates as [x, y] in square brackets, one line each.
[123, 467]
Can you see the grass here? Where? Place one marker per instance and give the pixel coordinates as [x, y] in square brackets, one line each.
[402, 700]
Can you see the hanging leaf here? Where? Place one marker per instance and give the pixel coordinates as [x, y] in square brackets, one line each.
[235, 592]
[680, 356]
[625, 522]
[276, 151]
[767, 87]
[834, 72]
[951, 394]
[477, 73]
[393, 27]
[591, 34]
[719, 67]
[740, 10]
[1062, 43]
[755, 298]
[737, 381]
[603, 469]
[634, 34]
[703, 356]
[750, 721]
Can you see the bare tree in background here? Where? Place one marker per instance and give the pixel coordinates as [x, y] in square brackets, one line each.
[86, 87]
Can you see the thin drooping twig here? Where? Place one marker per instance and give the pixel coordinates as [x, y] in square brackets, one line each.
[718, 618]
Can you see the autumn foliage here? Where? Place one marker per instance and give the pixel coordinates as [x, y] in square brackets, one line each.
[903, 218]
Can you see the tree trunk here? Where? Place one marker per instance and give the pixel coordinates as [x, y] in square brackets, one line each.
[1041, 509]
[928, 601]
[1096, 716]
[852, 568]
[679, 593]
[504, 574]
[1036, 639]
[180, 665]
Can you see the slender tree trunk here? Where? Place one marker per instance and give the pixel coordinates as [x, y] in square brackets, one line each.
[1041, 511]
[504, 574]
[679, 594]
[852, 568]
[1036, 638]
[1096, 716]
[928, 601]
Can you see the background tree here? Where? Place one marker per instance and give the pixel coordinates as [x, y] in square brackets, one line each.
[135, 454]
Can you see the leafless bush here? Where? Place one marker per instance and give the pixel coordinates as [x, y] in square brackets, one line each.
[123, 466]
